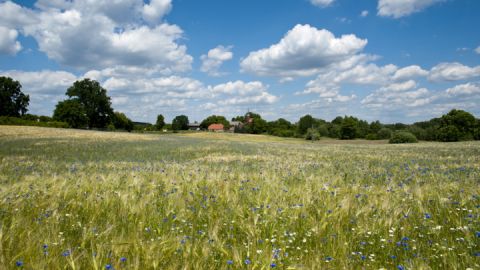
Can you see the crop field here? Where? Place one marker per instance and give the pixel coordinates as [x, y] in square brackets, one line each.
[98, 200]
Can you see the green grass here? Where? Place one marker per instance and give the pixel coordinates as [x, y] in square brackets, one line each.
[202, 201]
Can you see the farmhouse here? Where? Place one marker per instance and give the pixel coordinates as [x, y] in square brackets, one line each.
[194, 126]
[216, 128]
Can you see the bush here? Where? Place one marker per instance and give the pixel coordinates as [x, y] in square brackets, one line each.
[312, 135]
[371, 136]
[384, 134]
[15, 121]
[403, 137]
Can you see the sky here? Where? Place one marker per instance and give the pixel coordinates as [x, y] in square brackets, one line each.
[387, 60]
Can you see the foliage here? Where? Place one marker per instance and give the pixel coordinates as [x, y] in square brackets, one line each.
[215, 119]
[121, 121]
[403, 137]
[305, 123]
[94, 100]
[253, 124]
[312, 135]
[13, 102]
[456, 125]
[348, 130]
[84, 200]
[160, 122]
[72, 112]
[384, 133]
[180, 123]
[7, 120]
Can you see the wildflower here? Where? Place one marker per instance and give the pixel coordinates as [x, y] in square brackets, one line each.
[247, 261]
[45, 246]
[400, 267]
[123, 259]
[108, 266]
[66, 253]
[273, 265]
[328, 258]
[229, 262]
[427, 215]
[19, 263]
[363, 257]
[477, 234]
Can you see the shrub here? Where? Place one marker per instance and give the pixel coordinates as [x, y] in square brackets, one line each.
[312, 135]
[403, 137]
[371, 136]
[384, 134]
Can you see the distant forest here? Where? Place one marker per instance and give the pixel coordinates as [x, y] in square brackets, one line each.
[88, 106]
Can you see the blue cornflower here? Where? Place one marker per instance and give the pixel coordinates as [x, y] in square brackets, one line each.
[400, 267]
[273, 265]
[123, 259]
[393, 257]
[427, 215]
[45, 246]
[19, 263]
[477, 234]
[363, 257]
[247, 261]
[66, 253]
[328, 258]
[229, 262]
[405, 238]
[108, 266]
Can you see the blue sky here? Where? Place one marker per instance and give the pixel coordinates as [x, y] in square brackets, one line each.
[396, 61]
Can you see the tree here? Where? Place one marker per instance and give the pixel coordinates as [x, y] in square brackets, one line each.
[13, 102]
[348, 128]
[254, 124]
[215, 119]
[121, 121]
[72, 112]
[94, 99]
[180, 123]
[457, 125]
[305, 123]
[160, 122]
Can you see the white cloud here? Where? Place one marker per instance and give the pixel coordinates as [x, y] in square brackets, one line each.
[43, 82]
[364, 13]
[303, 51]
[409, 72]
[467, 89]
[120, 38]
[322, 3]
[390, 100]
[453, 72]
[400, 87]
[401, 8]
[477, 50]
[215, 58]
[154, 11]
[8, 41]
[242, 93]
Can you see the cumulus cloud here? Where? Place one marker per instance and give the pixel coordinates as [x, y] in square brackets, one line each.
[303, 51]
[401, 8]
[477, 50]
[243, 93]
[154, 11]
[409, 72]
[215, 57]
[8, 41]
[322, 3]
[364, 13]
[453, 72]
[467, 89]
[63, 31]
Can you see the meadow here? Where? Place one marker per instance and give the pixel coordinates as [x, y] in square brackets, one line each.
[73, 199]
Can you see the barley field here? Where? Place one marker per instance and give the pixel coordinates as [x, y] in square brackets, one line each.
[100, 200]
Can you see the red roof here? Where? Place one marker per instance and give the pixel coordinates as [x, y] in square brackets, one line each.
[215, 127]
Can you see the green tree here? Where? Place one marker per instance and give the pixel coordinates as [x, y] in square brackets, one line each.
[305, 123]
[180, 123]
[215, 119]
[72, 112]
[94, 100]
[384, 133]
[348, 128]
[121, 121]
[463, 122]
[160, 122]
[13, 102]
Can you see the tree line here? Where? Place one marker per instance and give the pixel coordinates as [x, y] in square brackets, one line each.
[88, 106]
